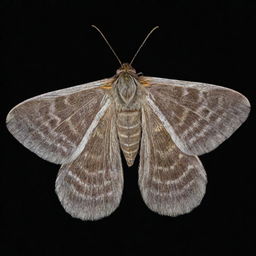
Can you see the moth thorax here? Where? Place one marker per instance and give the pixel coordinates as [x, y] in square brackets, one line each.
[126, 87]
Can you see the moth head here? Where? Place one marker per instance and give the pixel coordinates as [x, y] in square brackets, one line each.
[126, 68]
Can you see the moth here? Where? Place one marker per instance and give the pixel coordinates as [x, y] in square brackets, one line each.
[169, 122]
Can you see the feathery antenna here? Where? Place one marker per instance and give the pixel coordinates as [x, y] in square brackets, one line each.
[107, 43]
[152, 30]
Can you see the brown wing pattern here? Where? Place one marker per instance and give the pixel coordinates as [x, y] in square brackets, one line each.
[52, 125]
[90, 187]
[170, 181]
[198, 116]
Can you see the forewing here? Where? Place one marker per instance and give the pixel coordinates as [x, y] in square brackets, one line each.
[171, 182]
[57, 125]
[198, 116]
[90, 187]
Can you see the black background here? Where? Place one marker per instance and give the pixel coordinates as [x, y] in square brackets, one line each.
[49, 45]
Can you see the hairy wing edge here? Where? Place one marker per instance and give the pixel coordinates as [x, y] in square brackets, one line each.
[167, 125]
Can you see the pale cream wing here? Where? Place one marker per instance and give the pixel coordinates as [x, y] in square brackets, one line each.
[91, 186]
[171, 182]
[57, 125]
[198, 116]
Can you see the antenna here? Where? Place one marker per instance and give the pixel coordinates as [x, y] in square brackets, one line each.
[152, 30]
[107, 43]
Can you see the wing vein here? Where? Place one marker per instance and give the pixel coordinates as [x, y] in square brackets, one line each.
[196, 115]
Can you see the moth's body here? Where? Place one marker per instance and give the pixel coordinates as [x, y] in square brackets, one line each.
[128, 95]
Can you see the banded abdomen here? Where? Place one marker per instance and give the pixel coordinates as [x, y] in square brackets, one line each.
[129, 133]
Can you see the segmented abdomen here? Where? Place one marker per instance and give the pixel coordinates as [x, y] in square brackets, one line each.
[129, 133]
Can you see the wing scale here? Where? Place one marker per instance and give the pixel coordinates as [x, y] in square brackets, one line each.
[198, 116]
[53, 125]
[91, 186]
[171, 182]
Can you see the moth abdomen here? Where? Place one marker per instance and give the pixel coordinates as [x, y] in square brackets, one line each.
[129, 133]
